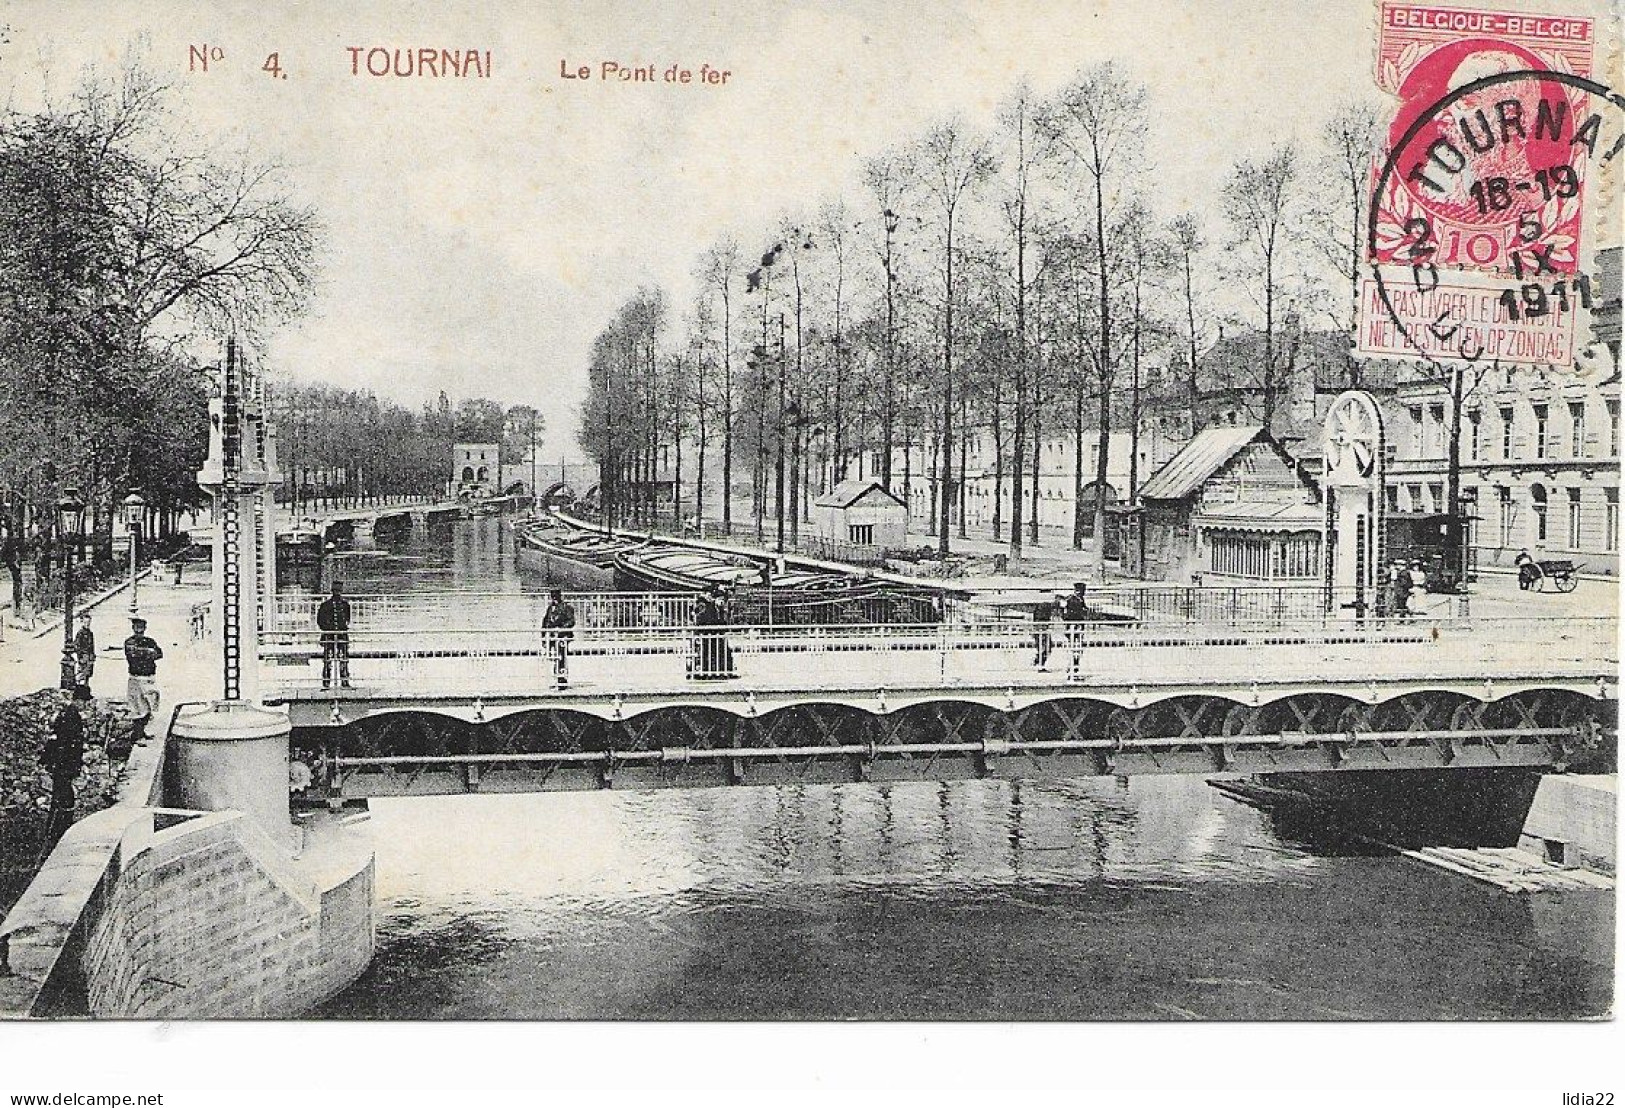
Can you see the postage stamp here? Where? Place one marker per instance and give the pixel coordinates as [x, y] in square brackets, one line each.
[1478, 216]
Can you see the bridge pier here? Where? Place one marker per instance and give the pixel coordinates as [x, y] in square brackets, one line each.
[232, 755]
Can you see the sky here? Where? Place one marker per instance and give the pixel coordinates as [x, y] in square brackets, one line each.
[482, 230]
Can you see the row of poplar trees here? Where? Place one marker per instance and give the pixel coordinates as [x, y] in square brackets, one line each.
[1020, 282]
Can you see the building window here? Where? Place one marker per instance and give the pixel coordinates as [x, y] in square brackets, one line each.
[1504, 496]
[1613, 428]
[1435, 431]
[1435, 501]
[861, 533]
[1610, 529]
[1264, 557]
[1474, 448]
[1574, 519]
[1537, 498]
[1540, 430]
[1577, 429]
[1393, 498]
[1506, 433]
[1416, 432]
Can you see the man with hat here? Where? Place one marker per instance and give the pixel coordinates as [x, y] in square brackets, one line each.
[1074, 614]
[84, 651]
[333, 621]
[63, 757]
[558, 627]
[141, 654]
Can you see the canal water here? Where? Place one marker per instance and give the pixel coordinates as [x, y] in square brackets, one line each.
[1154, 899]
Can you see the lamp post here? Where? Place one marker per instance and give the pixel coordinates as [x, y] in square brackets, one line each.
[134, 510]
[70, 524]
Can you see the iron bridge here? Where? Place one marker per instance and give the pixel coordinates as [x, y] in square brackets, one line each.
[1404, 700]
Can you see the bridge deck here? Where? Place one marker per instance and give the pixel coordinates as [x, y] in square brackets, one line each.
[505, 670]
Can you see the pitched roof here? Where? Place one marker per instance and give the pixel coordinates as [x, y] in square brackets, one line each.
[1198, 460]
[848, 493]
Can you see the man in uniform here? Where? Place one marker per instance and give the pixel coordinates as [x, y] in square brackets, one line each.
[84, 652]
[63, 757]
[1074, 614]
[141, 654]
[558, 624]
[333, 619]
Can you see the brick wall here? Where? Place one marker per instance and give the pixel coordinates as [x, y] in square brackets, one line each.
[210, 920]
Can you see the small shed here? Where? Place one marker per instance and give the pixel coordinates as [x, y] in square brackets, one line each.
[1230, 507]
[863, 513]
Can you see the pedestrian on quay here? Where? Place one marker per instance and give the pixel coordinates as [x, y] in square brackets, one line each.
[84, 653]
[1399, 590]
[333, 620]
[1418, 581]
[141, 654]
[1043, 629]
[1074, 614]
[63, 757]
[1529, 571]
[558, 628]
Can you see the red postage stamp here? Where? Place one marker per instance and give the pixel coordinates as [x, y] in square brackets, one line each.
[1481, 181]
[1490, 165]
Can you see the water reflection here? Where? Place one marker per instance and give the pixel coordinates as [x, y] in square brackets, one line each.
[1154, 898]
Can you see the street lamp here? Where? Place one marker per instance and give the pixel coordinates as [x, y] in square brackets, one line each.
[70, 524]
[134, 512]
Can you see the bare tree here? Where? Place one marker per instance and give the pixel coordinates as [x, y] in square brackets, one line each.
[1338, 209]
[833, 224]
[1261, 202]
[886, 178]
[1187, 242]
[718, 268]
[1098, 123]
[950, 164]
[1024, 147]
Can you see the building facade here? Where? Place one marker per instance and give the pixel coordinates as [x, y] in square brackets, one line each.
[476, 469]
[1539, 461]
[1539, 448]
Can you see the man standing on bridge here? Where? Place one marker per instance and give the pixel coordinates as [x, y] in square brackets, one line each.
[558, 626]
[333, 618]
[1074, 614]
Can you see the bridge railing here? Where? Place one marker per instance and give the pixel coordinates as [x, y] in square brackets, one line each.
[1240, 606]
[419, 659]
[483, 610]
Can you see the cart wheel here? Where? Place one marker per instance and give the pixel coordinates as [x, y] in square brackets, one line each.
[1567, 583]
